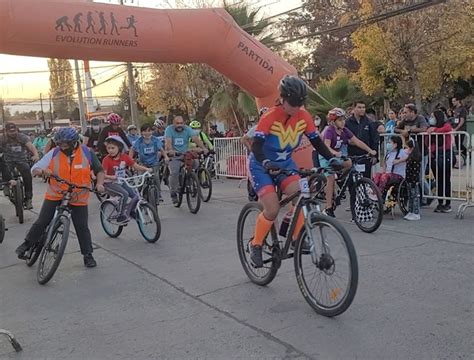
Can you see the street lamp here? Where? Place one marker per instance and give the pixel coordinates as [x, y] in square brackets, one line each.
[309, 73]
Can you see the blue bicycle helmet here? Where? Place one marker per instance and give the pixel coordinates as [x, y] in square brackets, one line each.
[66, 135]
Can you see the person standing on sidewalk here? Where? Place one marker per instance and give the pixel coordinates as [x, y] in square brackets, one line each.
[412, 178]
[440, 150]
[366, 131]
[459, 124]
[73, 162]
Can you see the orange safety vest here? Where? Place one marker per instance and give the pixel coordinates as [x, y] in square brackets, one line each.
[77, 171]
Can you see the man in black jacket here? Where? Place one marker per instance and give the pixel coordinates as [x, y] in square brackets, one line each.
[366, 131]
[112, 129]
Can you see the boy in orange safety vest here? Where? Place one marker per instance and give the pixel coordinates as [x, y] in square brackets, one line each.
[72, 162]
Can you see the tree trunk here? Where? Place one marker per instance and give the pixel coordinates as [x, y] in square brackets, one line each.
[204, 109]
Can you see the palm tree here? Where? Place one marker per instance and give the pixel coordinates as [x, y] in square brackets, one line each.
[230, 101]
[338, 91]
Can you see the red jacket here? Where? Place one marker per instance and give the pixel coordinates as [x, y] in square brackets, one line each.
[437, 141]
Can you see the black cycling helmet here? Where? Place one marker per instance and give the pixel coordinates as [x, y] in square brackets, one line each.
[293, 90]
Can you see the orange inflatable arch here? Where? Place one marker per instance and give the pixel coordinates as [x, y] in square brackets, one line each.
[80, 29]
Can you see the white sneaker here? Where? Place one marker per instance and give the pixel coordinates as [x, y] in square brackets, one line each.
[414, 217]
[408, 216]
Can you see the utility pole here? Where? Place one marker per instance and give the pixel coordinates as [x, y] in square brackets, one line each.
[51, 112]
[88, 82]
[132, 93]
[81, 99]
[42, 112]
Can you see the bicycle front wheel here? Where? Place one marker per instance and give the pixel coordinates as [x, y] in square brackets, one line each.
[19, 201]
[53, 249]
[245, 232]
[149, 222]
[327, 273]
[34, 253]
[193, 192]
[366, 205]
[108, 218]
[206, 184]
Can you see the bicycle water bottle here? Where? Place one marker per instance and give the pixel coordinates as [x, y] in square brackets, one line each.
[285, 223]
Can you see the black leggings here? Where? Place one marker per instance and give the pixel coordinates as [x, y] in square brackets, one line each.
[79, 215]
[441, 168]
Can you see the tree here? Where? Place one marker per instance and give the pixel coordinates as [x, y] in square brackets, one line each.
[61, 87]
[338, 91]
[330, 51]
[415, 55]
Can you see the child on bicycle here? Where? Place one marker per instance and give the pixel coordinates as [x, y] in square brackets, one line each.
[337, 137]
[413, 167]
[115, 165]
[150, 151]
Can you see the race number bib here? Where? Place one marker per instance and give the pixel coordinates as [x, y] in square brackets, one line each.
[456, 121]
[360, 168]
[94, 143]
[178, 142]
[120, 173]
[148, 150]
[16, 148]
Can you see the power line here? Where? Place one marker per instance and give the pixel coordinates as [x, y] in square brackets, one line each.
[367, 21]
[49, 71]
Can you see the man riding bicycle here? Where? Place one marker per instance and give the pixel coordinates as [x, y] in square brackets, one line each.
[16, 148]
[73, 162]
[91, 137]
[113, 129]
[177, 138]
[278, 133]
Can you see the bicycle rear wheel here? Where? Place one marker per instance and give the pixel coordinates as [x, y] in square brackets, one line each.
[53, 249]
[245, 231]
[193, 192]
[108, 216]
[149, 222]
[2, 228]
[18, 189]
[205, 182]
[328, 275]
[151, 195]
[366, 205]
[403, 197]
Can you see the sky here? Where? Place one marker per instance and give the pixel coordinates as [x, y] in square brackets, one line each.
[18, 88]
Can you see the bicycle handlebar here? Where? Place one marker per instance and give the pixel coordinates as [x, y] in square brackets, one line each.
[64, 181]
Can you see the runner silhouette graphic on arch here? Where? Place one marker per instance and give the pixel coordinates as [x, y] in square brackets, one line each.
[113, 23]
[102, 22]
[61, 22]
[90, 23]
[77, 22]
[131, 24]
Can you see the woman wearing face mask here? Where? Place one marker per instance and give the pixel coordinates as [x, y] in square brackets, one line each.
[440, 151]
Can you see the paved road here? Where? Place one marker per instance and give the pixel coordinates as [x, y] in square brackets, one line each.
[188, 297]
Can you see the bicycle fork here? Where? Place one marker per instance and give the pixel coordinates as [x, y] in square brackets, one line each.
[308, 213]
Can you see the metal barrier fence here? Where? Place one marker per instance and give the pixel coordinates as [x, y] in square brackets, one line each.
[231, 158]
[447, 173]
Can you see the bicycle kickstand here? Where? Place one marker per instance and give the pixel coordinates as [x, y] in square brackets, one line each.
[16, 345]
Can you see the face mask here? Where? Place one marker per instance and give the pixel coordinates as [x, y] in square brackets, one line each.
[389, 147]
[317, 122]
[68, 151]
[179, 128]
[96, 128]
[432, 121]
